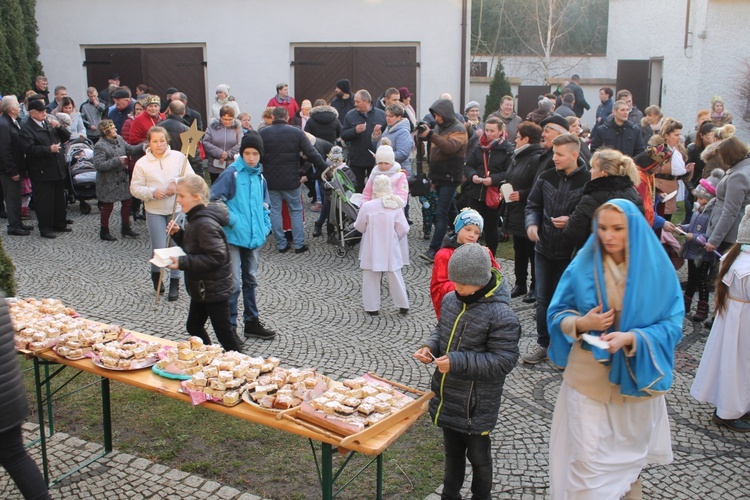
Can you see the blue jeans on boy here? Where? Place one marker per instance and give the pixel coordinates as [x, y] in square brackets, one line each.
[548, 274]
[445, 196]
[244, 270]
[294, 203]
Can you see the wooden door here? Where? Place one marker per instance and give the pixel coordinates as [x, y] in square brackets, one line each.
[317, 69]
[633, 75]
[100, 63]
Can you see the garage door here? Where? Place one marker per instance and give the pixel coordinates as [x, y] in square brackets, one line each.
[157, 67]
[317, 69]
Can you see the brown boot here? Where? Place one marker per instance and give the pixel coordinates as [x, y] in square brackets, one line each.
[701, 311]
[688, 303]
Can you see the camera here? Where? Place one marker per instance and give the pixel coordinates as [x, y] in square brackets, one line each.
[422, 126]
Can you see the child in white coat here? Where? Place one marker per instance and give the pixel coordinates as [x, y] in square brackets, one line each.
[383, 226]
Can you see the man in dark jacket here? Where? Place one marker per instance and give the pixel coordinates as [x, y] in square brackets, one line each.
[567, 106]
[343, 102]
[42, 141]
[580, 100]
[283, 145]
[357, 129]
[41, 87]
[447, 143]
[12, 165]
[618, 133]
[191, 115]
[175, 124]
[605, 108]
[552, 200]
[635, 115]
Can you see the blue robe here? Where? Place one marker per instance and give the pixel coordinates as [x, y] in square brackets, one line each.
[652, 308]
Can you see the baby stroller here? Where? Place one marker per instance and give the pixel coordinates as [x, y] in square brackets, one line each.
[343, 211]
[81, 173]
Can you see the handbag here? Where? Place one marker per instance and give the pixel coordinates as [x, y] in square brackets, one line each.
[419, 184]
[492, 195]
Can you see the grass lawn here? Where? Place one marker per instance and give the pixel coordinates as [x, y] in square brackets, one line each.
[250, 457]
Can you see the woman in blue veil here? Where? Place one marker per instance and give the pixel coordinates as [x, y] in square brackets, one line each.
[615, 320]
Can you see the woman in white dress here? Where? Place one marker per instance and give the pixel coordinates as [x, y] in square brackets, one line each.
[610, 417]
[723, 376]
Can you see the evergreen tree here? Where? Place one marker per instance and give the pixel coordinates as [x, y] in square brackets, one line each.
[19, 51]
[30, 31]
[7, 280]
[499, 87]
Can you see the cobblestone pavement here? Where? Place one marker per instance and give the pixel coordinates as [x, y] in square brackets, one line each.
[313, 301]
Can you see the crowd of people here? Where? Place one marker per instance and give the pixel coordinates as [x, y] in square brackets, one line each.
[589, 210]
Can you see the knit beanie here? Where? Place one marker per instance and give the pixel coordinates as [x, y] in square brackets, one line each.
[252, 140]
[470, 265]
[545, 104]
[381, 188]
[336, 155]
[385, 154]
[306, 104]
[64, 119]
[707, 187]
[472, 104]
[743, 234]
[223, 88]
[344, 86]
[467, 217]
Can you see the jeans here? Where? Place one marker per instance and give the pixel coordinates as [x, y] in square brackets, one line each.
[20, 466]
[445, 196]
[293, 201]
[548, 274]
[459, 447]
[219, 313]
[157, 230]
[244, 270]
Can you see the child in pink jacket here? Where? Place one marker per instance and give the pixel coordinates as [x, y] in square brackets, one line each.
[386, 165]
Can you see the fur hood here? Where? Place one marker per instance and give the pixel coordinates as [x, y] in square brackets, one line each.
[710, 151]
[216, 124]
[324, 109]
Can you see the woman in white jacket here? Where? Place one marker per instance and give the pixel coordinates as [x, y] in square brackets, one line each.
[154, 182]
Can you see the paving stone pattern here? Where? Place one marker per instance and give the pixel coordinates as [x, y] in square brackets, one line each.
[313, 300]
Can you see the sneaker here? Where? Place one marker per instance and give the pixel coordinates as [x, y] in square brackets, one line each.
[428, 255]
[254, 328]
[537, 355]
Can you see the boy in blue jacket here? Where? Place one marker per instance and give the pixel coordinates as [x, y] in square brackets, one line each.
[243, 189]
[474, 346]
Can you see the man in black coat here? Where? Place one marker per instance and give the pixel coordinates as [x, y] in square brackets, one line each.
[552, 200]
[580, 100]
[357, 130]
[42, 139]
[12, 165]
[283, 144]
[191, 115]
[618, 133]
[175, 124]
[343, 102]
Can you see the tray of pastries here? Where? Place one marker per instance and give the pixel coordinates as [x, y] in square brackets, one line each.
[186, 359]
[283, 388]
[38, 323]
[127, 353]
[223, 379]
[79, 343]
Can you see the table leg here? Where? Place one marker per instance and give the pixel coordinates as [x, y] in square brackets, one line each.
[326, 458]
[50, 413]
[106, 416]
[379, 493]
[40, 415]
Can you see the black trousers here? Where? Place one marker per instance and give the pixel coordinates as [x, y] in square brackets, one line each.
[362, 174]
[459, 447]
[491, 218]
[49, 201]
[12, 195]
[20, 466]
[219, 313]
[697, 280]
[523, 248]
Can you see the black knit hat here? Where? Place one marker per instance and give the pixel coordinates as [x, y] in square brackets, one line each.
[344, 86]
[252, 140]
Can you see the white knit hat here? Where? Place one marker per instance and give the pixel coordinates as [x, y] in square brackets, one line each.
[743, 234]
[381, 188]
[223, 88]
[385, 155]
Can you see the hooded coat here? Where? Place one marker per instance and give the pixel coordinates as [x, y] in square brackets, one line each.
[481, 342]
[207, 265]
[401, 142]
[324, 123]
[112, 177]
[219, 139]
[13, 406]
[523, 170]
[448, 142]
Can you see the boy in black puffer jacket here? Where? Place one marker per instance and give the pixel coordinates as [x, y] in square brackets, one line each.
[474, 346]
[207, 265]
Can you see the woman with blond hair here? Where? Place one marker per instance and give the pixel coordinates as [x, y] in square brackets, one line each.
[667, 180]
[613, 175]
[719, 115]
[651, 122]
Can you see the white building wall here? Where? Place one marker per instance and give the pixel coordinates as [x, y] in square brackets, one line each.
[248, 43]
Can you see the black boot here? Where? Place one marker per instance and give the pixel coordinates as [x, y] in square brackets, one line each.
[105, 235]
[518, 290]
[174, 289]
[254, 328]
[530, 297]
[127, 232]
[688, 304]
[318, 231]
[155, 280]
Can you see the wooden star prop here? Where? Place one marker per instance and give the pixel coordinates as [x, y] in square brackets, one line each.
[190, 139]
